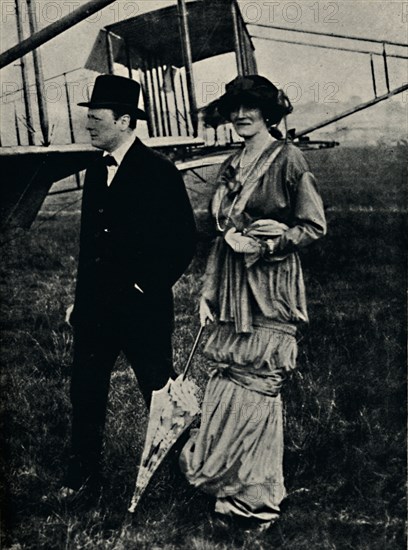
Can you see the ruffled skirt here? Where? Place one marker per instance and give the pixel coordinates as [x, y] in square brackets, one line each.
[237, 452]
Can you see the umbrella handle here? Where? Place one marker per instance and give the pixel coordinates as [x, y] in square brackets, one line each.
[192, 352]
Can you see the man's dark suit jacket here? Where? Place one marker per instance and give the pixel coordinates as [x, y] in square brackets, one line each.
[139, 230]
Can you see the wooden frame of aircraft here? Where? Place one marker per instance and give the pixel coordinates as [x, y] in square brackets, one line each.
[33, 169]
[151, 44]
[154, 44]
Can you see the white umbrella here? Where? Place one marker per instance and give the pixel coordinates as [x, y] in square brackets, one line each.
[172, 410]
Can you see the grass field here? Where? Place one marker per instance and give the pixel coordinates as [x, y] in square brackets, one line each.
[345, 408]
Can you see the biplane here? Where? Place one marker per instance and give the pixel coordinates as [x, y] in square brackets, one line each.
[159, 48]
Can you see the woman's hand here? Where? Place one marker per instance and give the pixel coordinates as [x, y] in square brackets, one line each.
[206, 314]
[240, 243]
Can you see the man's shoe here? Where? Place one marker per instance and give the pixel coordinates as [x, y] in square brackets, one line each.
[66, 493]
[252, 525]
[222, 522]
[85, 497]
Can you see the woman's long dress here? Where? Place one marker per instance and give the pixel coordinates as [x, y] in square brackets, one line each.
[237, 452]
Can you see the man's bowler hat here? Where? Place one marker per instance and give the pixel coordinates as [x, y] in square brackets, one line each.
[111, 91]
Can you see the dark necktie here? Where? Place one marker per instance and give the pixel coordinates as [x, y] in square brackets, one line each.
[108, 160]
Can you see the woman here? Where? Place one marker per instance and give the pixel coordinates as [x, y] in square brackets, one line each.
[266, 206]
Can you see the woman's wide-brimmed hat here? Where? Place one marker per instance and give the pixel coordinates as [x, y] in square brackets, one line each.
[254, 91]
[111, 91]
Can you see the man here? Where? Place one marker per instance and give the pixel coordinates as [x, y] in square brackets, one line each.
[137, 238]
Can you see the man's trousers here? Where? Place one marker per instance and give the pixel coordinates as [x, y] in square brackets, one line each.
[147, 346]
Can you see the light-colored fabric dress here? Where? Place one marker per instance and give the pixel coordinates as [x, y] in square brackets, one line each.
[259, 299]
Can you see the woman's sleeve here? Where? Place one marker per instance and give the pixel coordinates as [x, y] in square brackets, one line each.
[309, 221]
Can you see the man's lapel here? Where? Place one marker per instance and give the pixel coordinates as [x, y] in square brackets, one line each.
[130, 166]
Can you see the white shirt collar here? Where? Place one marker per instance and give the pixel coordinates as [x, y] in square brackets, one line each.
[119, 153]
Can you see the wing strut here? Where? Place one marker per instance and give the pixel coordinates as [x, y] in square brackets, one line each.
[349, 112]
[56, 28]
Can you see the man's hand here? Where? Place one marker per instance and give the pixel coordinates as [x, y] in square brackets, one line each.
[68, 314]
[206, 314]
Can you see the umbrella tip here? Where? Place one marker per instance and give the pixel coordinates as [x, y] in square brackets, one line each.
[132, 508]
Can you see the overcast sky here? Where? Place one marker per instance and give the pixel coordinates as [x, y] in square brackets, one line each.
[308, 74]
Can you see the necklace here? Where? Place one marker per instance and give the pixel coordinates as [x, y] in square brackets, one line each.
[227, 219]
[243, 179]
[244, 170]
